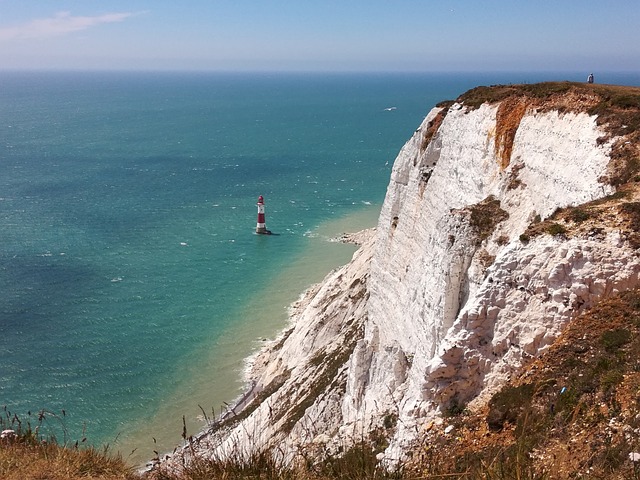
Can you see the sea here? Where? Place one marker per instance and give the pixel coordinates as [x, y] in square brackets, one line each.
[132, 283]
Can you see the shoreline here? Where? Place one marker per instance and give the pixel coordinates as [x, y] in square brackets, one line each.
[251, 372]
[256, 363]
[217, 374]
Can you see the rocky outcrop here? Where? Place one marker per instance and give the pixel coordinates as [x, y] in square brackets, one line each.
[449, 296]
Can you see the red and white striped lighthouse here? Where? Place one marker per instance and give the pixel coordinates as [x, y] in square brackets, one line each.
[260, 227]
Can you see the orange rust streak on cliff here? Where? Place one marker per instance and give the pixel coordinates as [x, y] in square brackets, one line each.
[508, 119]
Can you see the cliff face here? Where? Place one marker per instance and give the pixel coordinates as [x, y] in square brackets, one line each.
[454, 291]
[467, 305]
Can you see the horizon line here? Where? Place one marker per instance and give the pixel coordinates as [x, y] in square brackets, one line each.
[303, 71]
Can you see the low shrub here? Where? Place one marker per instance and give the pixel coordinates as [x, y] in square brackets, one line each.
[508, 404]
[612, 340]
[485, 216]
[556, 229]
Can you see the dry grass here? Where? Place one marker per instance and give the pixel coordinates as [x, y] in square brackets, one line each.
[25, 461]
[28, 454]
[356, 463]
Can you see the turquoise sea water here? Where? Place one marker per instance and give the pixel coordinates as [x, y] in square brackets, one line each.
[132, 284]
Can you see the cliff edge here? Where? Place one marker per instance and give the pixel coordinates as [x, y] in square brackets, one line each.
[509, 212]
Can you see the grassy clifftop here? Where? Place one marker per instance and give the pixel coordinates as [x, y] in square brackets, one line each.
[617, 109]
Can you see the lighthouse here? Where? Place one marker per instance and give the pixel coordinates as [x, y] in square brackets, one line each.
[260, 227]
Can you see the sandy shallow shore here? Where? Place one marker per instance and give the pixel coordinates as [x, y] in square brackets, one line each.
[257, 363]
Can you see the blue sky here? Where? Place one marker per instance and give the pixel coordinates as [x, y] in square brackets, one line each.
[321, 35]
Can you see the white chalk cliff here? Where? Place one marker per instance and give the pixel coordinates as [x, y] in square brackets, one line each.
[446, 298]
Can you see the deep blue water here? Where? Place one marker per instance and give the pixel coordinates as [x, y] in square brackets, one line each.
[127, 210]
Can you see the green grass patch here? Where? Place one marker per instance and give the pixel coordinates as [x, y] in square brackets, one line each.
[556, 229]
[612, 340]
[485, 216]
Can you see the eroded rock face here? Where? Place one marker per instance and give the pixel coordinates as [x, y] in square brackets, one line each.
[431, 293]
[444, 301]
[298, 381]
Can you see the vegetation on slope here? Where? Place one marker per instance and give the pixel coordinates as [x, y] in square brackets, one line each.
[27, 454]
[573, 413]
[619, 211]
[484, 216]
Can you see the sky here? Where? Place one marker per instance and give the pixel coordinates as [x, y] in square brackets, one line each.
[321, 35]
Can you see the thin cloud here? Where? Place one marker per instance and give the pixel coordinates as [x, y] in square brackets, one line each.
[61, 23]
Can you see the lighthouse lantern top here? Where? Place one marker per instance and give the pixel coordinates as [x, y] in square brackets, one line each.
[260, 200]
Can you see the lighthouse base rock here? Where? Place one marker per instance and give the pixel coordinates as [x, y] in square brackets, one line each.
[453, 291]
